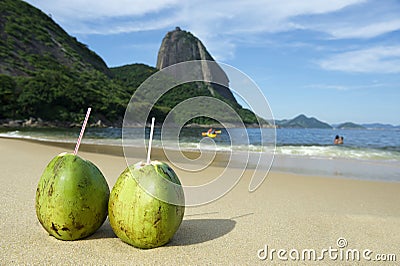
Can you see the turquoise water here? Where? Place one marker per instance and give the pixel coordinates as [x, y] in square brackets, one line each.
[366, 154]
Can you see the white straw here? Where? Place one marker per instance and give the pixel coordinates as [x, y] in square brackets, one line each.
[150, 140]
[82, 131]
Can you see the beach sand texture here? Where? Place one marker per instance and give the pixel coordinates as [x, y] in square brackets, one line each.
[287, 212]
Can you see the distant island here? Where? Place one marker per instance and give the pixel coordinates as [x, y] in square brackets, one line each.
[349, 125]
[302, 121]
[380, 126]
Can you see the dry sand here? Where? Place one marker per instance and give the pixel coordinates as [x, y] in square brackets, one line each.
[287, 212]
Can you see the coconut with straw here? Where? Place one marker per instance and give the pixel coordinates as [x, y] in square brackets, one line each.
[146, 205]
[72, 195]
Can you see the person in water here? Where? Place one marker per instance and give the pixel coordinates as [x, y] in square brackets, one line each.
[338, 140]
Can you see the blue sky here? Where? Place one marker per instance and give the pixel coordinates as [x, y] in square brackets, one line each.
[336, 60]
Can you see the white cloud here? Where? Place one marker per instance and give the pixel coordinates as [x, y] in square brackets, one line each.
[221, 25]
[86, 10]
[381, 59]
[107, 28]
[233, 17]
[361, 21]
[365, 31]
[342, 87]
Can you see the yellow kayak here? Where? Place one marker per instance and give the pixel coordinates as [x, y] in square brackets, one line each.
[205, 134]
[211, 135]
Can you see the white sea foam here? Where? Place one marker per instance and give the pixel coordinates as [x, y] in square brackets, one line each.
[332, 152]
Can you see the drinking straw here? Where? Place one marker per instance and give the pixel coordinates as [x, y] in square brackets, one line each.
[150, 139]
[82, 131]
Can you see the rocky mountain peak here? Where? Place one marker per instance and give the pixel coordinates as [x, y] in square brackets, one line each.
[180, 46]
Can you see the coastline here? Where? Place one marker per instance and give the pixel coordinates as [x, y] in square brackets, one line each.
[288, 211]
[367, 169]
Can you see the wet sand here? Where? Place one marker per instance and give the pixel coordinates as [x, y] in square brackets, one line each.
[287, 212]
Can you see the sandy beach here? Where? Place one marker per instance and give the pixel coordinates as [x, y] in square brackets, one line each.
[288, 212]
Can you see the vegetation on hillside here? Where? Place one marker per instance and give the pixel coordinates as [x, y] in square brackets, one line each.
[132, 77]
[31, 41]
[47, 74]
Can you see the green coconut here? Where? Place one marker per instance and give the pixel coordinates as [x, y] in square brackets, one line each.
[71, 197]
[144, 210]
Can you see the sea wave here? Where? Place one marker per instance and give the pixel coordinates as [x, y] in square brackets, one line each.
[343, 152]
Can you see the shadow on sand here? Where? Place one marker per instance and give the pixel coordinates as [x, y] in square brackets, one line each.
[105, 231]
[201, 230]
[190, 232]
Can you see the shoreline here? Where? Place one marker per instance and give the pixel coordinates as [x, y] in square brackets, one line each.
[379, 171]
[287, 211]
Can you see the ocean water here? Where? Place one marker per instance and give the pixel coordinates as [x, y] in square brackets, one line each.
[365, 154]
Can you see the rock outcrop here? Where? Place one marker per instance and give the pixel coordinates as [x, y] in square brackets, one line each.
[180, 46]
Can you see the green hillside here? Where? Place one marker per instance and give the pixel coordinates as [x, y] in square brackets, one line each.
[31, 41]
[45, 73]
[133, 75]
